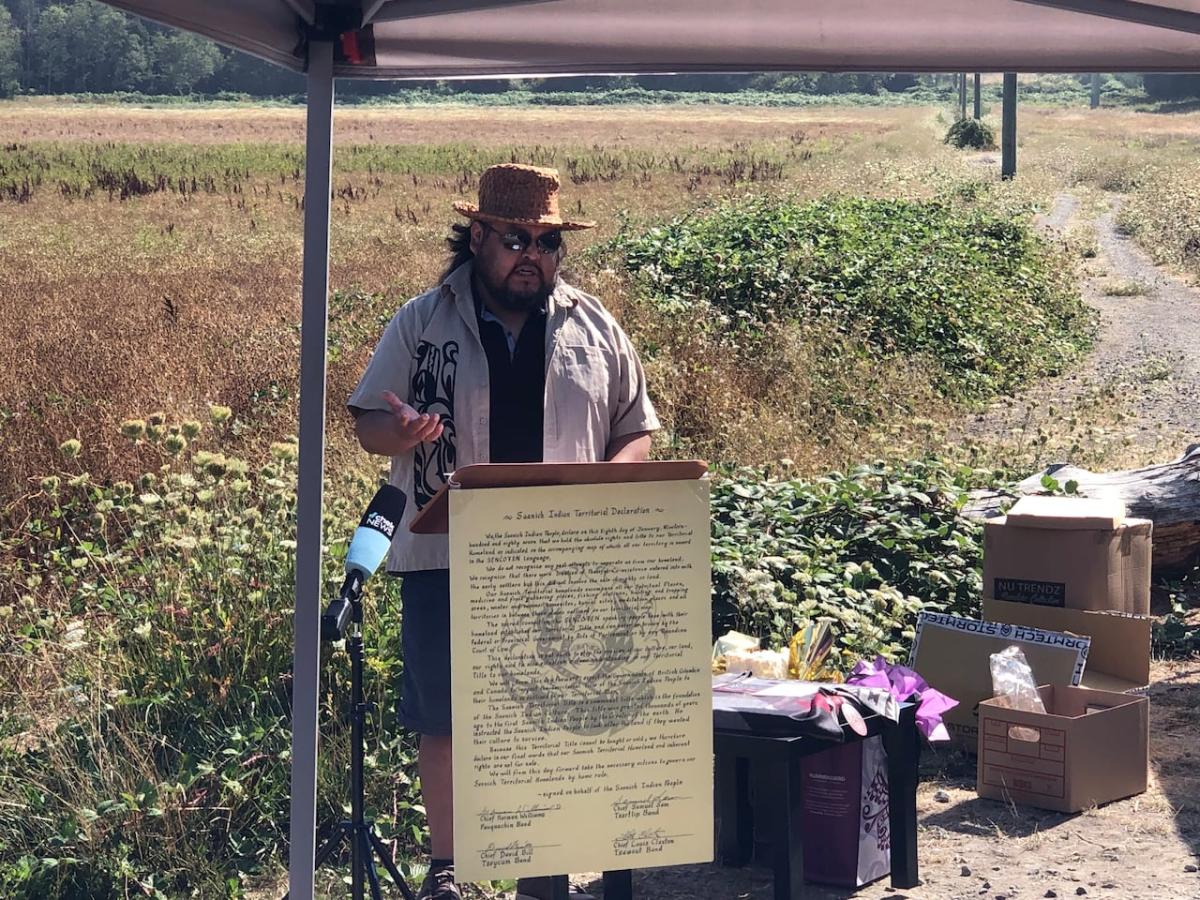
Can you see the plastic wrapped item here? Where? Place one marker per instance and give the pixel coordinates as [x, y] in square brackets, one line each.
[809, 650]
[759, 663]
[1014, 686]
[731, 641]
[806, 658]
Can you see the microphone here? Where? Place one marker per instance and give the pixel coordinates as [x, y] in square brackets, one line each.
[370, 544]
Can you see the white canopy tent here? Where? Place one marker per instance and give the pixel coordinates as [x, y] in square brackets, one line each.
[485, 38]
[465, 38]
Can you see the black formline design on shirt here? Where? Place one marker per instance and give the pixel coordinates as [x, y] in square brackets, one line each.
[432, 391]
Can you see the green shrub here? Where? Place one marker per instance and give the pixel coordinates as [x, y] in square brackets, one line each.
[146, 671]
[869, 549]
[1178, 633]
[977, 292]
[973, 133]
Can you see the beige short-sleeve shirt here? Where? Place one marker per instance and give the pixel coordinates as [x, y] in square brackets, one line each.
[430, 356]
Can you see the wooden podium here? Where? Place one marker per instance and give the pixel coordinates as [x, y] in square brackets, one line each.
[435, 517]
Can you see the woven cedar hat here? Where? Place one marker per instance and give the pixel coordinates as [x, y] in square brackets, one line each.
[519, 195]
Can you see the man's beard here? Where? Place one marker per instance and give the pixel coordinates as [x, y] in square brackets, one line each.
[521, 301]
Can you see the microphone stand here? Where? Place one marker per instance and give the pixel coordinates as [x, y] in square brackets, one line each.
[365, 844]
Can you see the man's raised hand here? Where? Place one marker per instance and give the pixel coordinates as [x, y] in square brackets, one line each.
[410, 426]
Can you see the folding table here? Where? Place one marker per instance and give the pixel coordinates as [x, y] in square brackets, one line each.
[774, 745]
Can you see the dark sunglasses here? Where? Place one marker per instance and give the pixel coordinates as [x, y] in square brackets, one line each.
[516, 240]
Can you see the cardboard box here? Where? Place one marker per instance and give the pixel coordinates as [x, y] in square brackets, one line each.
[1067, 512]
[1091, 747]
[1069, 567]
[953, 653]
[1118, 658]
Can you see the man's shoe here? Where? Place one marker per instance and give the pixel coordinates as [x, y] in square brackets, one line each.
[543, 889]
[439, 885]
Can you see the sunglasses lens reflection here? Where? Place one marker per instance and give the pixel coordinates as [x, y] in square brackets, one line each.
[517, 241]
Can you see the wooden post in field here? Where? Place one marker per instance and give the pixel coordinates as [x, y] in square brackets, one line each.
[978, 104]
[962, 95]
[1008, 139]
[1095, 89]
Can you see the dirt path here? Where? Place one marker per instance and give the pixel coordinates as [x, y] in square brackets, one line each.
[1143, 375]
[1165, 326]
[1065, 207]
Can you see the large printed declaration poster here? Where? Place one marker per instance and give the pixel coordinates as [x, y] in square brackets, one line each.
[580, 651]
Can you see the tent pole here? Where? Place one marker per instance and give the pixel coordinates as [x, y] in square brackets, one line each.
[1008, 137]
[313, 321]
[1095, 89]
[978, 99]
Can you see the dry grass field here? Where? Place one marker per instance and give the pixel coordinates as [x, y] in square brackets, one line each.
[171, 299]
[557, 127]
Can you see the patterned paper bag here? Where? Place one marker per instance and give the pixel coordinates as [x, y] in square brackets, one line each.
[847, 841]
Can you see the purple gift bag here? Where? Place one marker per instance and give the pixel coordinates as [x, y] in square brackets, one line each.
[846, 837]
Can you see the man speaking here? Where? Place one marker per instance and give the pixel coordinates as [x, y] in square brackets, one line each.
[501, 362]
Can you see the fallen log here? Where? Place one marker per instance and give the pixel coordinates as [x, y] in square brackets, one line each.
[1168, 494]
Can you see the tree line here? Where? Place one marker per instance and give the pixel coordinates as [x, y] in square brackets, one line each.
[83, 46]
[72, 46]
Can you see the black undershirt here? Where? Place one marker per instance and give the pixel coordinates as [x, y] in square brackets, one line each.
[518, 386]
